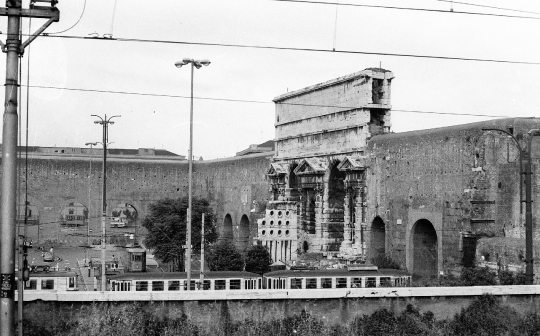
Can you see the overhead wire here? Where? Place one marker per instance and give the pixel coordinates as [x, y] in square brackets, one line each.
[417, 9]
[235, 45]
[491, 7]
[259, 101]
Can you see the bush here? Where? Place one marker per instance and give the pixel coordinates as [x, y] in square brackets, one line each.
[509, 278]
[485, 316]
[385, 261]
[258, 259]
[478, 276]
[225, 257]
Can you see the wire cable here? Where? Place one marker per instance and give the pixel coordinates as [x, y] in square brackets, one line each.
[486, 6]
[353, 52]
[416, 9]
[261, 102]
[76, 23]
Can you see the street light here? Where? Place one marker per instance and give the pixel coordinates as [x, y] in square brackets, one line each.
[529, 261]
[105, 122]
[194, 64]
[91, 144]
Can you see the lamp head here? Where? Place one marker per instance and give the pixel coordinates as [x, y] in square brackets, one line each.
[179, 64]
[187, 60]
[205, 62]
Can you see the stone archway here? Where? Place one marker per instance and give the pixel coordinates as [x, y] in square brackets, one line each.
[378, 237]
[243, 234]
[227, 229]
[424, 243]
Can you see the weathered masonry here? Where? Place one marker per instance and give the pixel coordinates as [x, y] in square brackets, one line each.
[321, 140]
[64, 188]
[426, 198]
[339, 183]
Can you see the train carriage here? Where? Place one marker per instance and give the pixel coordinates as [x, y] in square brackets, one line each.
[177, 281]
[336, 278]
[51, 282]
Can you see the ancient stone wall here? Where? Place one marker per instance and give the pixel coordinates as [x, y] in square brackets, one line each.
[234, 186]
[445, 184]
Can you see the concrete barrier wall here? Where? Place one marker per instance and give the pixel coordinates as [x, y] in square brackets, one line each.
[332, 305]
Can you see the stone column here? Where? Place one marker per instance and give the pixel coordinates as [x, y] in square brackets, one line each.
[319, 241]
[346, 244]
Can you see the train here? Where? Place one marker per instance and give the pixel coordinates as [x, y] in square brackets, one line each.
[50, 282]
[284, 279]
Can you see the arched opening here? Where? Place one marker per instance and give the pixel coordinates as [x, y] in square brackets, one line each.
[336, 203]
[243, 234]
[74, 214]
[123, 215]
[227, 229]
[424, 249]
[378, 237]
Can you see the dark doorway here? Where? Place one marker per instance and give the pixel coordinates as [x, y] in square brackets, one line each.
[227, 229]
[243, 234]
[336, 204]
[378, 237]
[424, 249]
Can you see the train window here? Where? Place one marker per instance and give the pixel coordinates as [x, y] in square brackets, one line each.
[311, 283]
[235, 284]
[260, 282]
[219, 284]
[174, 285]
[32, 284]
[47, 284]
[356, 282]
[371, 282]
[206, 285]
[385, 282]
[158, 286]
[326, 282]
[296, 283]
[72, 282]
[141, 286]
[192, 285]
[341, 283]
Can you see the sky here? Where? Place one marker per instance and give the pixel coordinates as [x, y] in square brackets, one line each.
[72, 75]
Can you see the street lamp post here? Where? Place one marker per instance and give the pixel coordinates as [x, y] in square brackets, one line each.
[91, 144]
[105, 122]
[529, 260]
[194, 64]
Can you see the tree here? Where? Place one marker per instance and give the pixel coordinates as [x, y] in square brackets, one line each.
[258, 259]
[166, 224]
[224, 256]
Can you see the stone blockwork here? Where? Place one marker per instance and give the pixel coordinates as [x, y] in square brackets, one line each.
[234, 186]
[439, 190]
[318, 129]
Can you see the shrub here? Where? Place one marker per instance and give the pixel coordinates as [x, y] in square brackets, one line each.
[385, 261]
[478, 276]
[509, 278]
[485, 316]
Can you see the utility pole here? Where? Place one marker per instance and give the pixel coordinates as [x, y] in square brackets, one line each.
[105, 122]
[91, 144]
[202, 253]
[13, 47]
[529, 259]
